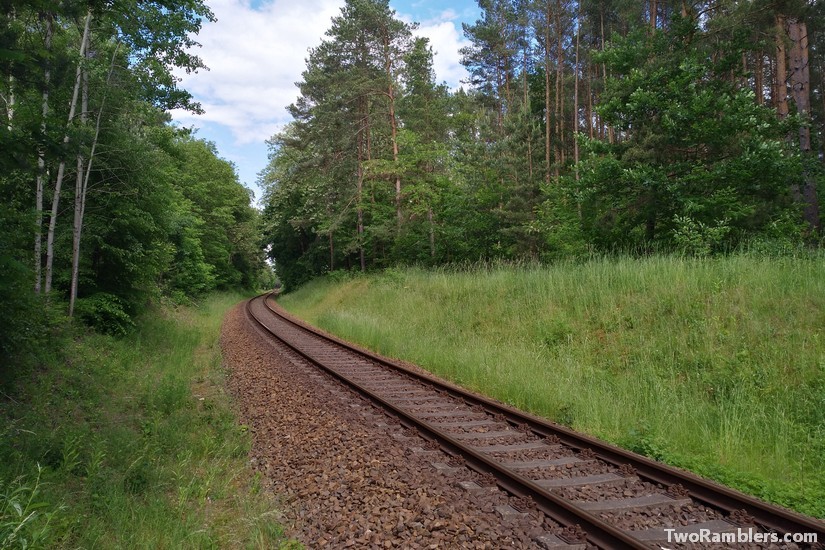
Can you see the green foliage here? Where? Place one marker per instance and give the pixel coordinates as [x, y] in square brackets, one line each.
[671, 149]
[223, 219]
[330, 200]
[163, 213]
[106, 313]
[189, 273]
[802, 494]
[683, 177]
[697, 239]
[27, 321]
[21, 310]
[159, 35]
[559, 224]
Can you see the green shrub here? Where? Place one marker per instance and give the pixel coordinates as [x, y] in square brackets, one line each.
[695, 238]
[106, 313]
[339, 276]
[24, 317]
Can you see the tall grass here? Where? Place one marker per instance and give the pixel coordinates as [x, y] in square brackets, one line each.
[717, 365]
[132, 443]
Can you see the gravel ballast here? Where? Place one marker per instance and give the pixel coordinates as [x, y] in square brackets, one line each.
[350, 476]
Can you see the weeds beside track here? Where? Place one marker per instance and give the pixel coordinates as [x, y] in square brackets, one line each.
[131, 443]
[714, 365]
[492, 438]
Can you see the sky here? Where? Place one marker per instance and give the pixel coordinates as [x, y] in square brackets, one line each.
[256, 52]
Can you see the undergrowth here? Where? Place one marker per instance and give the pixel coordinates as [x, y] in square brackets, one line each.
[131, 443]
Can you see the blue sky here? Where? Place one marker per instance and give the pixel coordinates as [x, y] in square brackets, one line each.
[256, 52]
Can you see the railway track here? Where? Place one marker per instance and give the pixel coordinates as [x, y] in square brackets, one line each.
[605, 496]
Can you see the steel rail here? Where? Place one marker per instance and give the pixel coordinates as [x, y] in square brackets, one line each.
[560, 510]
[708, 492]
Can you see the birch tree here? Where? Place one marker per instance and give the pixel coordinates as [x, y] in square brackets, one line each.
[61, 170]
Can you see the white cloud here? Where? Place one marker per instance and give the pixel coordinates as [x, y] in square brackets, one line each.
[446, 41]
[256, 54]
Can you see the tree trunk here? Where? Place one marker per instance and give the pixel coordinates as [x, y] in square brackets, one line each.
[331, 252]
[781, 74]
[393, 127]
[41, 160]
[508, 93]
[822, 87]
[800, 78]
[743, 80]
[82, 188]
[363, 136]
[590, 102]
[62, 168]
[801, 91]
[77, 226]
[604, 72]
[10, 99]
[547, 121]
[360, 212]
[576, 98]
[499, 98]
[432, 231]
[822, 96]
[505, 62]
[79, 196]
[650, 226]
[526, 108]
[559, 64]
[654, 9]
[560, 141]
[10, 104]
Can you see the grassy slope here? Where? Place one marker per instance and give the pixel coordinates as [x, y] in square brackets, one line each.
[715, 365]
[136, 443]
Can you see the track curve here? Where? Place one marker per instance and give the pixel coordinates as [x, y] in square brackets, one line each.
[590, 486]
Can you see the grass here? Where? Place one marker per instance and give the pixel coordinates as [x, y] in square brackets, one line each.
[132, 443]
[715, 365]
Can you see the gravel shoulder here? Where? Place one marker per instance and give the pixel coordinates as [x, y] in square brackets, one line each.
[349, 476]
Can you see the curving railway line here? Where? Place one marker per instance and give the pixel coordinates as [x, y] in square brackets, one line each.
[602, 495]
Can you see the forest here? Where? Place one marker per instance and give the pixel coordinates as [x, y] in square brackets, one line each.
[123, 240]
[587, 127]
[107, 206]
